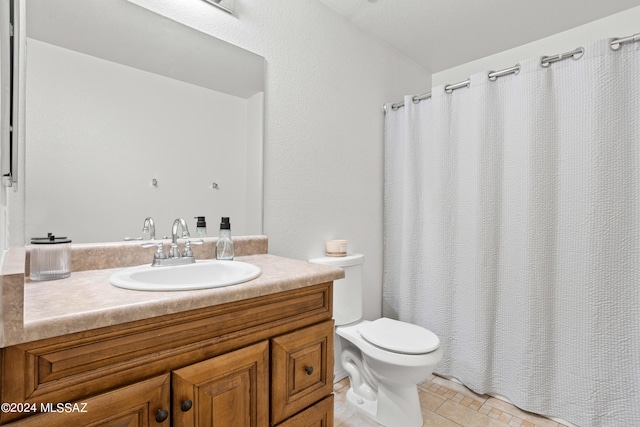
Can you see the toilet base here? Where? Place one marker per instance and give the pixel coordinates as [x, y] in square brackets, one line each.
[393, 408]
[339, 373]
[366, 406]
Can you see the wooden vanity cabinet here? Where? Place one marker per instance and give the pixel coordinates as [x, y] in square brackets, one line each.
[266, 361]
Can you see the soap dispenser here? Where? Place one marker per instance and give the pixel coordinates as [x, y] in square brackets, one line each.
[224, 245]
[201, 226]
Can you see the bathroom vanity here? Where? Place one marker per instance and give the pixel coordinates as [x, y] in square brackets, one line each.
[258, 353]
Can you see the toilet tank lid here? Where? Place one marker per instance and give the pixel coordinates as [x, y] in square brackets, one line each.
[339, 261]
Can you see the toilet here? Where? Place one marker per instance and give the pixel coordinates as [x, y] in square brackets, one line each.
[385, 359]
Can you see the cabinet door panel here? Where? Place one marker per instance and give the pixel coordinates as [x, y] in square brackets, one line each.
[131, 406]
[302, 369]
[228, 390]
[226, 401]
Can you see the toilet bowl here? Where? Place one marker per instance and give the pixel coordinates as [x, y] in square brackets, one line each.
[385, 359]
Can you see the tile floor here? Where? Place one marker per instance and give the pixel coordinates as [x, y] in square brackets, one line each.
[447, 404]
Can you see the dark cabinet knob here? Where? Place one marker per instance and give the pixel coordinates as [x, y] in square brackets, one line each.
[309, 370]
[161, 415]
[186, 405]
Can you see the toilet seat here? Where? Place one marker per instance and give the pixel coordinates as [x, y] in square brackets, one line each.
[399, 337]
[352, 335]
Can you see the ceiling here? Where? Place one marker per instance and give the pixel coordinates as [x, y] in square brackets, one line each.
[440, 34]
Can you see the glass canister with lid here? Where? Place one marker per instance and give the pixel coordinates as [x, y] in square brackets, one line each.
[50, 258]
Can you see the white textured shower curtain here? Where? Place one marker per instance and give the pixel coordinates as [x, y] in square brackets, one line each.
[512, 231]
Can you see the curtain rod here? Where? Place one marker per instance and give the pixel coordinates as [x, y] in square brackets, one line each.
[545, 62]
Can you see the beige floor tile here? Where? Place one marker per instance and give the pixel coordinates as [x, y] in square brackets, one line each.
[342, 411]
[359, 420]
[458, 397]
[341, 385]
[430, 400]
[466, 401]
[446, 404]
[460, 388]
[340, 397]
[505, 418]
[431, 419]
[441, 391]
[494, 413]
[475, 405]
[450, 394]
[523, 415]
[466, 417]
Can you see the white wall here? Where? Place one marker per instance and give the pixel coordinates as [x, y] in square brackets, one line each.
[325, 84]
[621, 24]
[98, 132]
[255, 135]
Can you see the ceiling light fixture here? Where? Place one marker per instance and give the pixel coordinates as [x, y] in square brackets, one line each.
[226, 5]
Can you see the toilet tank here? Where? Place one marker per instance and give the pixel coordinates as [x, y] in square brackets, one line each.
[347, 292]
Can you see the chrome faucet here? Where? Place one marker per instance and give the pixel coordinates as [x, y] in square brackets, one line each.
[174, 252]
[160, 258]
[149, 227]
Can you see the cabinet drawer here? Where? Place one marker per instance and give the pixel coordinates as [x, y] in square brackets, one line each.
[301, 369]
[319, 415]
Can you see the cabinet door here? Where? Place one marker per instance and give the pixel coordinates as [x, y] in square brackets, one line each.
[228, 390]
[146, 403]
[302, 369]
[319, 415]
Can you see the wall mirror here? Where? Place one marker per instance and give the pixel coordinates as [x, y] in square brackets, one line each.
[132, 115]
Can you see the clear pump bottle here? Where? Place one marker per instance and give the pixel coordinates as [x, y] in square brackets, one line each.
[201, 226]
[224, 245]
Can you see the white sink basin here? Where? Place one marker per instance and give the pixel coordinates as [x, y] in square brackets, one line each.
[202, 274]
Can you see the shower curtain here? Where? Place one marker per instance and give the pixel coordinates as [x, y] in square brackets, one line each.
[512, 231]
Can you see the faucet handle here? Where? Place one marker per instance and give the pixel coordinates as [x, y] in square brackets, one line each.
[160, 254]
[187, 246]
